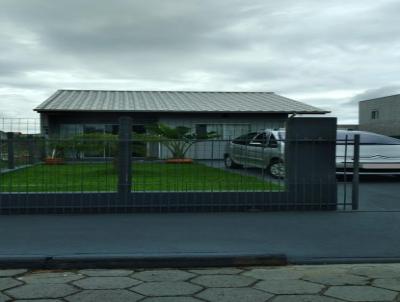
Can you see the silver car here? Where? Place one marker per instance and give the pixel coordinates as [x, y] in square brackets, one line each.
[379, 154]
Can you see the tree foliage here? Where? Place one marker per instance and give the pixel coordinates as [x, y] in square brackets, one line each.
[177, 140]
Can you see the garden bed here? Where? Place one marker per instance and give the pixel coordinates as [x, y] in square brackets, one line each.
[147, 176]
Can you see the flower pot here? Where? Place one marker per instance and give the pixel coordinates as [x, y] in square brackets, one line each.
[54, 161]
[179, 161]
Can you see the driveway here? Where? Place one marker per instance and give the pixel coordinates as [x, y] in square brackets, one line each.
[248, 171]
[377, 193]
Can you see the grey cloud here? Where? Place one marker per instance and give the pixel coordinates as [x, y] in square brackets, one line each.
[291, 47]
[374, 93]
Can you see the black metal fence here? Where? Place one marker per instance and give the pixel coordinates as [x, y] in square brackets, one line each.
[296, 170]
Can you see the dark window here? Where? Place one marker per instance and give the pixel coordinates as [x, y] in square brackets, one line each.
[201, 130]
[244, 139]
[261, 139]
[111, 129]
[374, 114]
[93, 128]
[139, 129]
[272, 143]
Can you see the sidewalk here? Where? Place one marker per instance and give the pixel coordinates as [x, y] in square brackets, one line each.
[328, 283]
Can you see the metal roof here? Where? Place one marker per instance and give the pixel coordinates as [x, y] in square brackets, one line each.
[173, 101]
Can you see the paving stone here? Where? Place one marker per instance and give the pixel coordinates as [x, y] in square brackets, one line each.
[116, 295]
[106, 282]
[392, 283]
[375, 271]
[217, 271]
[171, 299]
[360, 293]
[223, 280]
[178, 288]
[37, 291]
[163, 275]
[7, 282]
[51, 277]
[11, 272]
[234, 295]
[304, 298]
[289, 287]
[106, 272]
[4, 298]
[337, 268]
[273, 274]
[335, 279]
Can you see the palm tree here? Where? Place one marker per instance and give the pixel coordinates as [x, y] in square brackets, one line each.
[177, 140]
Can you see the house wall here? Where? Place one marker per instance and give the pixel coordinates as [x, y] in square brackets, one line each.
[228, 126]
[387, 118]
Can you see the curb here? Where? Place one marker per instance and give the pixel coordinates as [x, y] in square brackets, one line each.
[344, 260]
[140, 261]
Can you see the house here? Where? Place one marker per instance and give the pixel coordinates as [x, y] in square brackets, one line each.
[230, 114]
[3, 135]
[381, 115]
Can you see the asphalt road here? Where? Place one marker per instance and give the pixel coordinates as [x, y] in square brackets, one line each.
[370, 234]
[302, 236]
[377, 193]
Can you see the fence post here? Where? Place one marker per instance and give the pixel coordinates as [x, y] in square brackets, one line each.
[31, 149]
[356, 170]
[124, 158]
[10, 150]
[310, 163]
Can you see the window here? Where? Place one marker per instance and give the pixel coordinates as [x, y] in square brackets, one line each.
[234, 130]
[261, 139]
[203, 129]
[374, 114]
[111, 129]
[93, 128]
[244, 139]
[272, 143]
[68, 130]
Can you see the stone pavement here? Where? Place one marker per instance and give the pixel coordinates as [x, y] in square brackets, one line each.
[311, 283]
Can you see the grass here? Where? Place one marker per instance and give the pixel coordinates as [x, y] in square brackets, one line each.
[146, 177]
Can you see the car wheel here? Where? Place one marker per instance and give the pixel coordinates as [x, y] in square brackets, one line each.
[277, 169]
[229, 163]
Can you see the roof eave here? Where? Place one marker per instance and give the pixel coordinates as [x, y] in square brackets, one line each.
[41, 110]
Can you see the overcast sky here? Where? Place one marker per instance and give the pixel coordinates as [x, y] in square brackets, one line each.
[326, 53]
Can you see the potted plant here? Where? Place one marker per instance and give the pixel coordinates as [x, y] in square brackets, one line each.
[57, 153]
[177, 140]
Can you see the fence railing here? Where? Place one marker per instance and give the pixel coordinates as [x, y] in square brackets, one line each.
[105, 173]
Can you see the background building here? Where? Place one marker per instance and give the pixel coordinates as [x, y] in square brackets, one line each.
[230, 114]
[381, 115]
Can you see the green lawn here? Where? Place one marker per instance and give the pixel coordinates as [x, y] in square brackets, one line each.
[146, 177]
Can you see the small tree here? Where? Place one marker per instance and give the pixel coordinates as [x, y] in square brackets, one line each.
[94, 143]
[177, 140]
